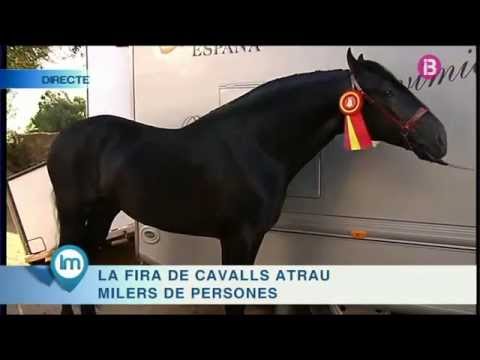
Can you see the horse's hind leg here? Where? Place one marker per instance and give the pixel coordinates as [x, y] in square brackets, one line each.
[85, 309]
[72, 232]
[67, 310]
[98, 225]
[240, 249]
[72, 226]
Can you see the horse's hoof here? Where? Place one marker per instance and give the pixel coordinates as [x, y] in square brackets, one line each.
[88, 310]
[67, 311]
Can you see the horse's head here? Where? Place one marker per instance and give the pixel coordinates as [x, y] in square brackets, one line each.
[394, 115]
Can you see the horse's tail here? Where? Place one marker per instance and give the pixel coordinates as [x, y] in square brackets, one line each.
[55, 215]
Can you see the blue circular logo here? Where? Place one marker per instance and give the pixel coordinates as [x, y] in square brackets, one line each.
[69, 264]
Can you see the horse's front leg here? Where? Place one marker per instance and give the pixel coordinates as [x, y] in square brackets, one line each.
[240, 249]
[88, 310]
[84, 309]
[67, 310]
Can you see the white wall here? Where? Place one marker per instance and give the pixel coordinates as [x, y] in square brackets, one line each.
[111, 90]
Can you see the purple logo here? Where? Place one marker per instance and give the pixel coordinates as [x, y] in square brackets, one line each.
[429, 66]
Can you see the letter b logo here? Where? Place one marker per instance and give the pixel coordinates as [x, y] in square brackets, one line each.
[429, 66]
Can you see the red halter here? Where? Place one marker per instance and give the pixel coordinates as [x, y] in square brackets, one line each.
[406, 127]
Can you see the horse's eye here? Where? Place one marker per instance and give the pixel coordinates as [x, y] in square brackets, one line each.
[389, 92]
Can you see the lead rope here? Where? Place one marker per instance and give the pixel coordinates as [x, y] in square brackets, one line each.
[441, 162]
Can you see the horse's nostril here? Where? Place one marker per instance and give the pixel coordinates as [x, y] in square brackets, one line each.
[441, 140]
[442, 145]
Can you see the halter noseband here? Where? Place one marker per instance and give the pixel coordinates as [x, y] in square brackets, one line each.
[406, 127]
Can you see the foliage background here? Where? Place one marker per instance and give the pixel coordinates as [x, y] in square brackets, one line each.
[56, 110]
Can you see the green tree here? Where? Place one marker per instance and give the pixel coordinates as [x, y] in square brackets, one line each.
[17, 156]
[26, 57]
[31, 57]
[11, 110]
[57, 111]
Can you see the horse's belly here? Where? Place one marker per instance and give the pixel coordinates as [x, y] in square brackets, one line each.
[194, 210]
[174, 194]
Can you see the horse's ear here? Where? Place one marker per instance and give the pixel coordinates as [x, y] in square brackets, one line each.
[352, 62]
[360, 58]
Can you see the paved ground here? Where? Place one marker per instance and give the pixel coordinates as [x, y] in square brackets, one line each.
[136, 310]
[15, 251]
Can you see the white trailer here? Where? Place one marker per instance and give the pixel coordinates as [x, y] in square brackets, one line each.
[407, 211]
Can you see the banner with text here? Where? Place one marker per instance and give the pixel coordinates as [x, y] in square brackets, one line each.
[237, 284]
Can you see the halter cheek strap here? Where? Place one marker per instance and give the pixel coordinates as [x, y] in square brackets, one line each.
[406, 127]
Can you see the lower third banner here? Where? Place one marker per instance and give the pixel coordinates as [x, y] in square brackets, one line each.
[76, 283]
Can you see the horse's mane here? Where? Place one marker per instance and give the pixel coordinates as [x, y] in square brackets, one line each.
[379, 69]
[272, 87]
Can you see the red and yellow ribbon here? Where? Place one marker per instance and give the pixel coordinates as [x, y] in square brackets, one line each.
[356, 134]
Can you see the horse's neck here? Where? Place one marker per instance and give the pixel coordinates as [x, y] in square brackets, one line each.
[305, 120]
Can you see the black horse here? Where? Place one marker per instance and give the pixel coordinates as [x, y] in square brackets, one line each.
[225, 175]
